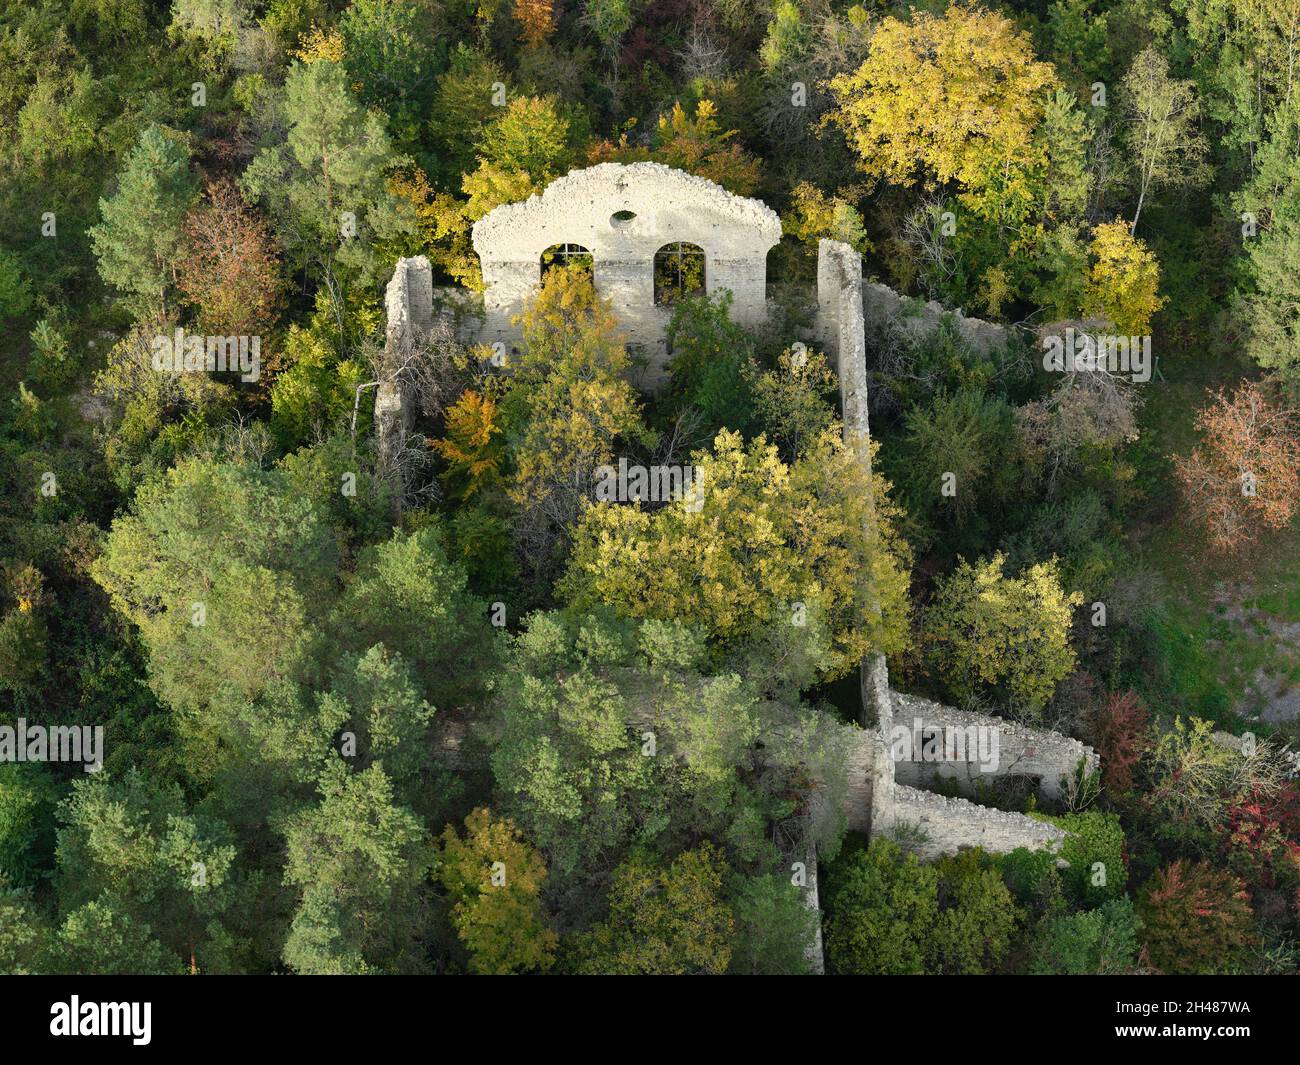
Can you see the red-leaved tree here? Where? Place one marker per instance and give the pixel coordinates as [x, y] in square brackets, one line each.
[230, 270]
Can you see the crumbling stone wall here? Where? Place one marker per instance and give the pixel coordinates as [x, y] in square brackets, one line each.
[408, 301]
[1047, 757]
[939, 825]
[880, 800]
[882, 304]
[622, 215]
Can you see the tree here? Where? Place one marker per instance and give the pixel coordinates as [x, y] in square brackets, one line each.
[408, 595]
[1197, 780]
[519, 154]
[326, 185]
[613, 731]
[813, 216]
[462, 108]
[1123, 281]
[229, 268]
[494, 879]
[1195, 919]
[570, 403]
[472, 449]
[15, 289]
[99, 940]
[696, 144]
[536, 19]
[977, 916]
[971, 436]
[140, 238]
[754, 543]
[135, 849]
[1269, 296]
[25, 937]
[222, 569]
[775, 928]
[880, 908]
[360, 862]
[951, 98]
[1100, 942]
[1162, 115]
[662, 921]
[27, 797]
[984, 628]
[1244, 475]
[710, 356]
[1120, 728]
[390, 51]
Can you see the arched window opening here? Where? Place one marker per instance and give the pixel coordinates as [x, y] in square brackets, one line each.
[679, 270]
[566, 255]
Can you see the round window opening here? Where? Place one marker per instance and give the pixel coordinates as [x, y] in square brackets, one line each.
[619, 219]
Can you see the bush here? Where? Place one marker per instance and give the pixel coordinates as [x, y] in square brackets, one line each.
[1197, 919]
[1095, 850]
[1100, 942]
[881, 906]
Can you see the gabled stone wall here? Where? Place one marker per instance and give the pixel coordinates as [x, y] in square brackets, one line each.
[622, 215]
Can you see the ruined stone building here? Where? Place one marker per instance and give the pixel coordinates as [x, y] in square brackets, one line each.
[631, 221]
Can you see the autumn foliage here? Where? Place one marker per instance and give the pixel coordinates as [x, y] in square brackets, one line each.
[229, 270]
[1196, 919]
[536, 19]
[1120, 727]
[1245, 474]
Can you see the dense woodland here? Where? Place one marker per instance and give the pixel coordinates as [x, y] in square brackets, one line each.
[444, 712]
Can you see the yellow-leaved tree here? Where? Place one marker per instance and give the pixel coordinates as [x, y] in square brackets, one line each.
[1011, 635]
[569, 401]
[1123, 281]
[950, 98]
[756, 543]
[494, 878]
[473, 448]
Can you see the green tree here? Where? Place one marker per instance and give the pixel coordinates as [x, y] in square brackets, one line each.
[1100, 942]
[1012, 633]
[669, 921]
[27, 798]
[361, 863]
[880, 908]
[775, 928]
[140, 237]
[326, 186]
[1162, 115]
[977, 916]
[135, 848]
[223, 571]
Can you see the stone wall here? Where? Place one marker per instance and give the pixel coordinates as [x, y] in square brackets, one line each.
[882, 304]
[946, 825]
[622, 215]
[812, 899]
[408, 301]
[1045, 756]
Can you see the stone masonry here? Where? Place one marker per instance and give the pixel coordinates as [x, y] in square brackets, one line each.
[622, 215]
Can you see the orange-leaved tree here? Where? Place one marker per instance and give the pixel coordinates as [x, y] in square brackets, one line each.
[1245, 473]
